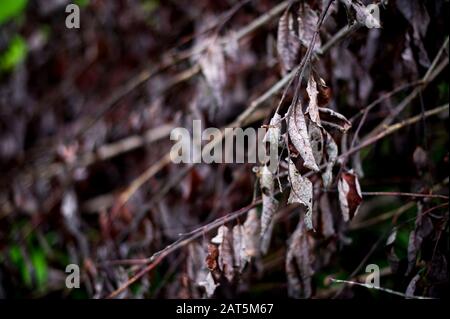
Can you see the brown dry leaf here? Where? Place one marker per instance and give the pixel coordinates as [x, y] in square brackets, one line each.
[313, 107]
[224, 240]
[270, 204]
[299, 264]
[331, 150]
[288, 45]
[334, 119]
[252, 234]
[211, 258]
[350, 196]
[212, 64]
[301, 192]
[299, 136]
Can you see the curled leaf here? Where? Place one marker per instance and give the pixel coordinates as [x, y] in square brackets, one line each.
[350, 196]
[274, 131]
[334, 119]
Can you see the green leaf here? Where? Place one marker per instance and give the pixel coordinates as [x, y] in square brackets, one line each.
[10, 9]
[14, 54]
[40, 268]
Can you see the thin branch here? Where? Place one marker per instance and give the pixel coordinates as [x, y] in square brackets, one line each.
[390, 291]
[417, 195]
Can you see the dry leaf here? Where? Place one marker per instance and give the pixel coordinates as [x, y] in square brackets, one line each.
[307, 24]
[316, 141]
[313, 107]
[288, 45]
[224, 240]
[300, 138]
[299, 261]
[350, 196]
[209, 284]
[274, 131]
[239, 248]
[334, 119]
[270, 204]
[252, 234]
[301, 192]
[331, 150]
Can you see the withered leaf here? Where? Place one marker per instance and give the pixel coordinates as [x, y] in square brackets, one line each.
[209, 284]
[211, 258]
[274, 131]
[299, 136]
[350, 196]
[313, 107]
[288, 45]
[252, 234]
[270, 204]
[307, 24]
[301, 192]
[331, 150]
[410, 290]
[334, 119]
[316, 141]
[299, 264]
[224, 240]
[239, 248]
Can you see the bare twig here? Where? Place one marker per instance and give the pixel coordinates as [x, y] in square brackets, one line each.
[390, 291]
[404, 194]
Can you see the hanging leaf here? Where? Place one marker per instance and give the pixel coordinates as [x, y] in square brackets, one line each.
[331, 150]
[299, 259]
[301, 192]
[334, 119]
[209, 285]
[274, 131]
[316, 141]
[288, 45]
[307, 24]
[212, 64]
[224, 240]
[349, 195]
[252, 234]
[239, 248]
[313, 107]
[270, 204]
[300, 138]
